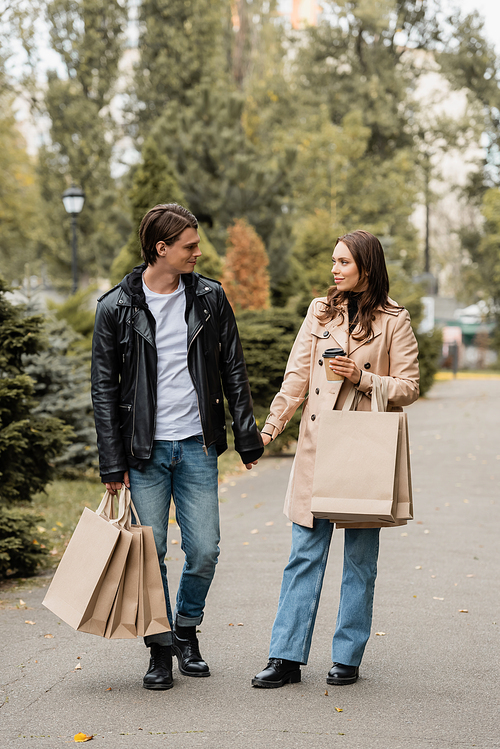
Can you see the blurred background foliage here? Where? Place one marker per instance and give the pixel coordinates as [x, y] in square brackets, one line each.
[279, 139]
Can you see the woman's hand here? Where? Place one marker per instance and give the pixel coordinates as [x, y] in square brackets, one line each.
[266, 438]
[344, 366]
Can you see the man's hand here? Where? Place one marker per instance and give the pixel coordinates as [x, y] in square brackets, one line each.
[114, 486]
[248, 466]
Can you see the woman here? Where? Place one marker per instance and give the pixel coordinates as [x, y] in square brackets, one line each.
[358, 316]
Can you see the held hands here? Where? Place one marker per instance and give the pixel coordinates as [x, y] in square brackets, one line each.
[114, 486]
[345, 367]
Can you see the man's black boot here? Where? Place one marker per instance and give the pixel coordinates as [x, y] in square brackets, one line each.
[185, 646]
[159, 673]
[277, 673]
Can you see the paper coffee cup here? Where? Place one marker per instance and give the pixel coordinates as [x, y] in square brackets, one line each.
[331, 353]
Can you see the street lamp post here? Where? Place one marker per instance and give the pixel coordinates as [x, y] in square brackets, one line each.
[73, 199]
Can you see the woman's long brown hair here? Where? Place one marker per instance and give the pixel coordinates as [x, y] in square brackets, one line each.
[370, 262]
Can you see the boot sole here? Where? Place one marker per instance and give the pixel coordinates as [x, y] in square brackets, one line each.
[292, 679]
[159, 687]
[342, 682]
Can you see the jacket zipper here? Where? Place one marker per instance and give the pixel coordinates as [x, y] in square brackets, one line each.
[135, 402]
[197, 399]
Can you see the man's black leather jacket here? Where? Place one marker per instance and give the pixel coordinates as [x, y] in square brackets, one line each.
[124, 363]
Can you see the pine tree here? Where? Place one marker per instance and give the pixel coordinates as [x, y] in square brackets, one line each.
[154, 182]
[245, 278]
[28, 443]
[61, 376]
[181, 43]
[222, 173]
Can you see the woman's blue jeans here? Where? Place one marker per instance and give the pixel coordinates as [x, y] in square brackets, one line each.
[301, 589]
[181, 469]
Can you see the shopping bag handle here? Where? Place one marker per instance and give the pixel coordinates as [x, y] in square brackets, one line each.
[107, 511]
[379, 399]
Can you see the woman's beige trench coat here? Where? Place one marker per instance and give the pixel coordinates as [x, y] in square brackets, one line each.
[391, 352]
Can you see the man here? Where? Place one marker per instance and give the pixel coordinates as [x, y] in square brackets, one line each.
[164, 338]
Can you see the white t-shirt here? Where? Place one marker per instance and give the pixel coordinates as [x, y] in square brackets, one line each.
[177, 415]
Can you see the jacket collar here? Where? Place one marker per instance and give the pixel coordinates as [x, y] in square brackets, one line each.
[132, 286]
[339, 329]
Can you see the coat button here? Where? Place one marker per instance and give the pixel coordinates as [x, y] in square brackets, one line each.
[320, 362]
[326, 334]
[317, 391]
[367, 365]
[216, 400]
[313, 417]
[207, 288]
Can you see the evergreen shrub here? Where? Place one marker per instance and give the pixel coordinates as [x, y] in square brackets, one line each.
[20, 551]
[267, 337]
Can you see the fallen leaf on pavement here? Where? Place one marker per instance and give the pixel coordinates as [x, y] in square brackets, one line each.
[81, 737]
[255, 530]
[246, 543]
[404, 534]
[230, 624]
[419, 567]
[58, 522]
[339, 709]
[270, 522]
[174, 541]
[470, 576]
[28, 621]
[463, 611]
[426, 531]
[240, 624]
[48, 637]
[78, 667]
[326, 692]
[109, 689]
[436, 598]
[380, 634]
[21, 602]
[244, 495]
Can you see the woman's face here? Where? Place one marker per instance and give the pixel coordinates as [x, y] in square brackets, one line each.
[345, 271]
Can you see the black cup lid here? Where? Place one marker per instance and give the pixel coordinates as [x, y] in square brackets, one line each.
[334, 352]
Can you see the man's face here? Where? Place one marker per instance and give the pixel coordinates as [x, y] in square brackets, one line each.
[181, 256]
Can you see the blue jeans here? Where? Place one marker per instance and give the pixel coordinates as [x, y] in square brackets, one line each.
[182, 470]
[301, 589]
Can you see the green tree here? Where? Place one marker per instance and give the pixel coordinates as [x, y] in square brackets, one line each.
[181, 43]
[470, 63]
[223, 175]
[89, 37]
[19, 198]
[154, 182]
[28, 443]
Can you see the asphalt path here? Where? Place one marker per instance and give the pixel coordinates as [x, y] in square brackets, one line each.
[430, 675]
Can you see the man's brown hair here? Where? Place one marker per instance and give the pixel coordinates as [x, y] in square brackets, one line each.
[163, 223]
